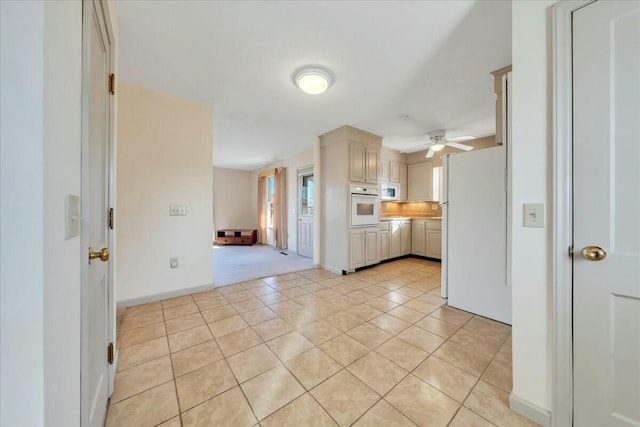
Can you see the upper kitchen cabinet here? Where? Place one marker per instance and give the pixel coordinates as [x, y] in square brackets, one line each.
[420, 181]
[500, 89]
[364, 163]
[390, 171]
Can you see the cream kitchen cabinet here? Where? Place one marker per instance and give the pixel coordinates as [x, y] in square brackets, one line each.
[426, 238]
[364, 164]
[403, 182]
[363, 247]
[405, 237]
[395, 248]
[399, 238]
[384, 239]
[420, 181]
[419, 237]
[434, 238]
[390, 171]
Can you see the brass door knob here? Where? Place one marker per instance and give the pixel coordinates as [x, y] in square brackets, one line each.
[594, 253]
[103, 254]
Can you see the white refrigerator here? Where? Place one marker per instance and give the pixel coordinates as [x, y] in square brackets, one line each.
[474, 252]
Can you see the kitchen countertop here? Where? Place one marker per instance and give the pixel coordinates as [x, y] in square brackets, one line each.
[398, 218]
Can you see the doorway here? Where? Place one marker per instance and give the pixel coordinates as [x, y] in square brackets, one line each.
[306, 192]
[597, 283]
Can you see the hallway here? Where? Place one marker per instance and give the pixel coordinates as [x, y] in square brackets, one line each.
[313, 348]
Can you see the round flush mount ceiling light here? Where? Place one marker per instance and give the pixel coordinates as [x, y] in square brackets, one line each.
[313, 79]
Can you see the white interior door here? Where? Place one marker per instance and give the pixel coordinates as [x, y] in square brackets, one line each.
[606, 193]
[306, 191]
[95, 196]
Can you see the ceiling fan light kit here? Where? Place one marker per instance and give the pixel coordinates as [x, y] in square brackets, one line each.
[313, 79]
[439, 141]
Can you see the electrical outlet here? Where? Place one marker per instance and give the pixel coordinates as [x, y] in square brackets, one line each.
[177, 210]
[173, 262]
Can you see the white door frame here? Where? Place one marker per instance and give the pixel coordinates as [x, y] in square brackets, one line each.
[111, 330]
[562, 362]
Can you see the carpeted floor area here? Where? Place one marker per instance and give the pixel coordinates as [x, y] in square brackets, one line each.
[234, 264]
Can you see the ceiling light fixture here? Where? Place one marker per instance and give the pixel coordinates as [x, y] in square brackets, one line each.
[437, 147]
[313, 79]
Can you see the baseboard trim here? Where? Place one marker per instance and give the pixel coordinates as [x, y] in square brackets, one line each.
[331, 269]
[530, 410]
[163, 295]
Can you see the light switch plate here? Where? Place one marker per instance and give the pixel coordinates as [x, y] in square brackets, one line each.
[72, 216]
[177, 210]
[533, 215]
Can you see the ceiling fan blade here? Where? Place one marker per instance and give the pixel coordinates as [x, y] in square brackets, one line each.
[430, 154]
[461, 138]
[459, 146]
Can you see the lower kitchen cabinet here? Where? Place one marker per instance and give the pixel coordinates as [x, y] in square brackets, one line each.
[363, 247]
[419, 237]
[405, 237]
[434, 244]
[427, 238]
[383, 240]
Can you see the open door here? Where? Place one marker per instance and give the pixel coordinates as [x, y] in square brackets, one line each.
[96, 350]
[306, 190]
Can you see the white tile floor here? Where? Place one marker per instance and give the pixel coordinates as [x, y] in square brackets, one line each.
[375, 348]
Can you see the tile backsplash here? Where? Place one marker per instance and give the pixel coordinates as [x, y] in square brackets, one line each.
[410, 209]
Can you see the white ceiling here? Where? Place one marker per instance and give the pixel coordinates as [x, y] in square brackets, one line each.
[429, 60]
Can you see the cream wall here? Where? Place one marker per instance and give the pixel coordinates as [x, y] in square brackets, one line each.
[233, 206]
[164, 157]
[531, 247]
[292, 164]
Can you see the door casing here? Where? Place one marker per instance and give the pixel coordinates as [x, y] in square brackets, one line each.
[562, 211]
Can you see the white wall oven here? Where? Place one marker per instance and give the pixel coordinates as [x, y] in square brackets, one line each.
[390, 191]
[365, 203]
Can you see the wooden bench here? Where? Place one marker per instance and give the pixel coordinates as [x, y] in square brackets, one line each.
[236, 236]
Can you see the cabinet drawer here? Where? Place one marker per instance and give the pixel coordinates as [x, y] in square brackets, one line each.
[383, 226]
[247, 240]
[225, 239]
[434, 224]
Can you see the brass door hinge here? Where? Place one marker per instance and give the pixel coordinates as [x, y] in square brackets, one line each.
[112, 84]
[110, 353]
[111, 218]
[570, 251]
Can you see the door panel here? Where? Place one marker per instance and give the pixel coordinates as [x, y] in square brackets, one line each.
[305, 213]
[606, 152]
[95, 198]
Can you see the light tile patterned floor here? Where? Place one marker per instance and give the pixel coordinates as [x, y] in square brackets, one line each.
[375, 348]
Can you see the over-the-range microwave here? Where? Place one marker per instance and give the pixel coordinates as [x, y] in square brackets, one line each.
[390, 191]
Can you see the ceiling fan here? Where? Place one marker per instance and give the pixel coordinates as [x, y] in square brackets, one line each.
[438, 140]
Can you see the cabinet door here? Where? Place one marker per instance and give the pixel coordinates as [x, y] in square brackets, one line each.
[434, 244]
[383, 237]
[356, 249]
[357, 162]
[418, 238]
[403, 182]
[372, 255]
[394, 174]
[395, 249]
[385, 170]
[372, 166]
[420, 181]
[405, 238]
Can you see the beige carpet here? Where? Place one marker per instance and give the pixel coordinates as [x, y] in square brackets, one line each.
[233, 264]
